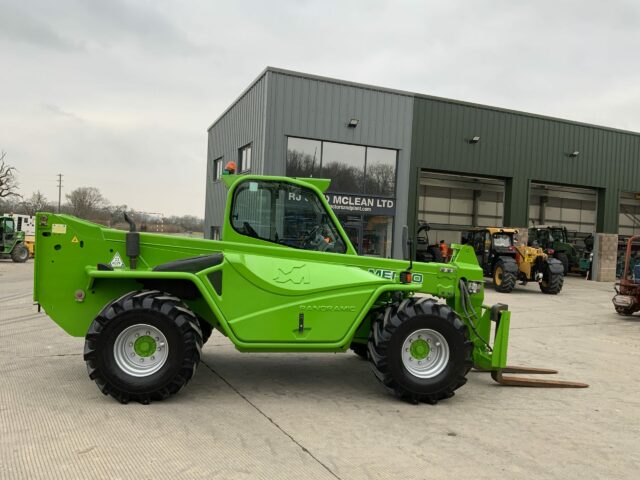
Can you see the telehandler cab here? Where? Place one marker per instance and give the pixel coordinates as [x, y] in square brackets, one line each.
[284, 278]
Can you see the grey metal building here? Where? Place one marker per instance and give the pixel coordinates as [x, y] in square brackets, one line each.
[397, 157]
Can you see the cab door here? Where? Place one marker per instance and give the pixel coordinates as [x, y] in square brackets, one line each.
[8, 233]
[283, 289]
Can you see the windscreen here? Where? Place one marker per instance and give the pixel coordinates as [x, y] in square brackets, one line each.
[285, 214]
[502, 240]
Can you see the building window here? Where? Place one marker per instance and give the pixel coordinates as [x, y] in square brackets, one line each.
[217, 169]
[380, 177]
[303, 157]
[244, 158]
[344, 165]
[215, 233]
[351, 168]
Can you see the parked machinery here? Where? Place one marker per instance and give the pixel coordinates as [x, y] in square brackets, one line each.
[425, 251]
[507, 263]
[11, 241]
[627, 298]
[576, 256]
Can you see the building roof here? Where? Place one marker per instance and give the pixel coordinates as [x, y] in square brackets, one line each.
[376, 88]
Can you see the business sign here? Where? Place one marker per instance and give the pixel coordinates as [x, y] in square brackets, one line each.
[343, 203]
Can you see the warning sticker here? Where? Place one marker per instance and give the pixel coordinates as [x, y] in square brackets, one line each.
[117, 262]
[74, 239]
[59, 228]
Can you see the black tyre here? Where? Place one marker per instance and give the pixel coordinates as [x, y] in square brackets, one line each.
[503, 281]
[551, 283]
[420, 350]
[565, 261]
[624, 311]
[144, 346]
[206, 329]
[360, 349]
[435, 252]
[20, 253]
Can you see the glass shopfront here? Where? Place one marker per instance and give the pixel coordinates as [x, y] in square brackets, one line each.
[362, 190]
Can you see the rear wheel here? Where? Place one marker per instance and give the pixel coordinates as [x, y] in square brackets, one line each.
[144, 346]
[420, 350]
[565, 261]
[503, 281]
[435, 252]
[20, 253]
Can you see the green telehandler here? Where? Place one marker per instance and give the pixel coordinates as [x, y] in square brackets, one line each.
[11, 241]
[284, 278]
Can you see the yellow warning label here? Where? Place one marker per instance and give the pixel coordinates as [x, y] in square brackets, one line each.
[59, 228]
[74, 239]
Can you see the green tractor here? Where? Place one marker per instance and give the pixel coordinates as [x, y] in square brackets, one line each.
[284, 278]
[556, 241]
[12, 242]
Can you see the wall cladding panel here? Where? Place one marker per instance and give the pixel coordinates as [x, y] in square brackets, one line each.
[240, 124]
[530, 147]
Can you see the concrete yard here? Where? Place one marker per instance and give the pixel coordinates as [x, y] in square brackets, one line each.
[308, 416]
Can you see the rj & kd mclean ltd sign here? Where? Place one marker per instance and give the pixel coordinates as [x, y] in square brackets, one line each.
[361, 204]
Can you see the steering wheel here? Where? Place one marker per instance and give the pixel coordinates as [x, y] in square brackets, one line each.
[309, 236]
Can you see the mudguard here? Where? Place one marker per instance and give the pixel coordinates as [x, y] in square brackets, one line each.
[555, 266]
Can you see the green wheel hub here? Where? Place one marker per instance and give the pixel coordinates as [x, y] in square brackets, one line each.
[140, 350]
[425, 353]
[419, 349]
[145, 346]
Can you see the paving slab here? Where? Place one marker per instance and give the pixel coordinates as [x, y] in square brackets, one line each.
[324, 415]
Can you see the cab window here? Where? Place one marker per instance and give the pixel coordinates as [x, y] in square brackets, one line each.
[502, 240]
[285, 214]
[8, 226]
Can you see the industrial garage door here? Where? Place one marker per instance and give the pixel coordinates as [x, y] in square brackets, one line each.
[629, 214]
[452, 203]
[574, 208]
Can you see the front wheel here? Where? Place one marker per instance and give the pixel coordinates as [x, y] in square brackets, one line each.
[20, 253]
[503, 281]
[144, 346]
[551, 283]
[624, 311]
[420, 350]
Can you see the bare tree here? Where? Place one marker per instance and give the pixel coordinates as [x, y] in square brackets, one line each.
[85, 201]
[8, 181]
[36, 203]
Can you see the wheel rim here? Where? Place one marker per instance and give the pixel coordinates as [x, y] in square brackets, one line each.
[497, 276]
[425, 353]
[140, 350]
[23, 253]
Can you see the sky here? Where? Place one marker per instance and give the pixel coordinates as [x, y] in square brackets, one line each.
[118, 94]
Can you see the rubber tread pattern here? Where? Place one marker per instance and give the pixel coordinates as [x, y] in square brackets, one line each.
[509, 278]
[555, 281]
[158, 302]
[385, 326]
